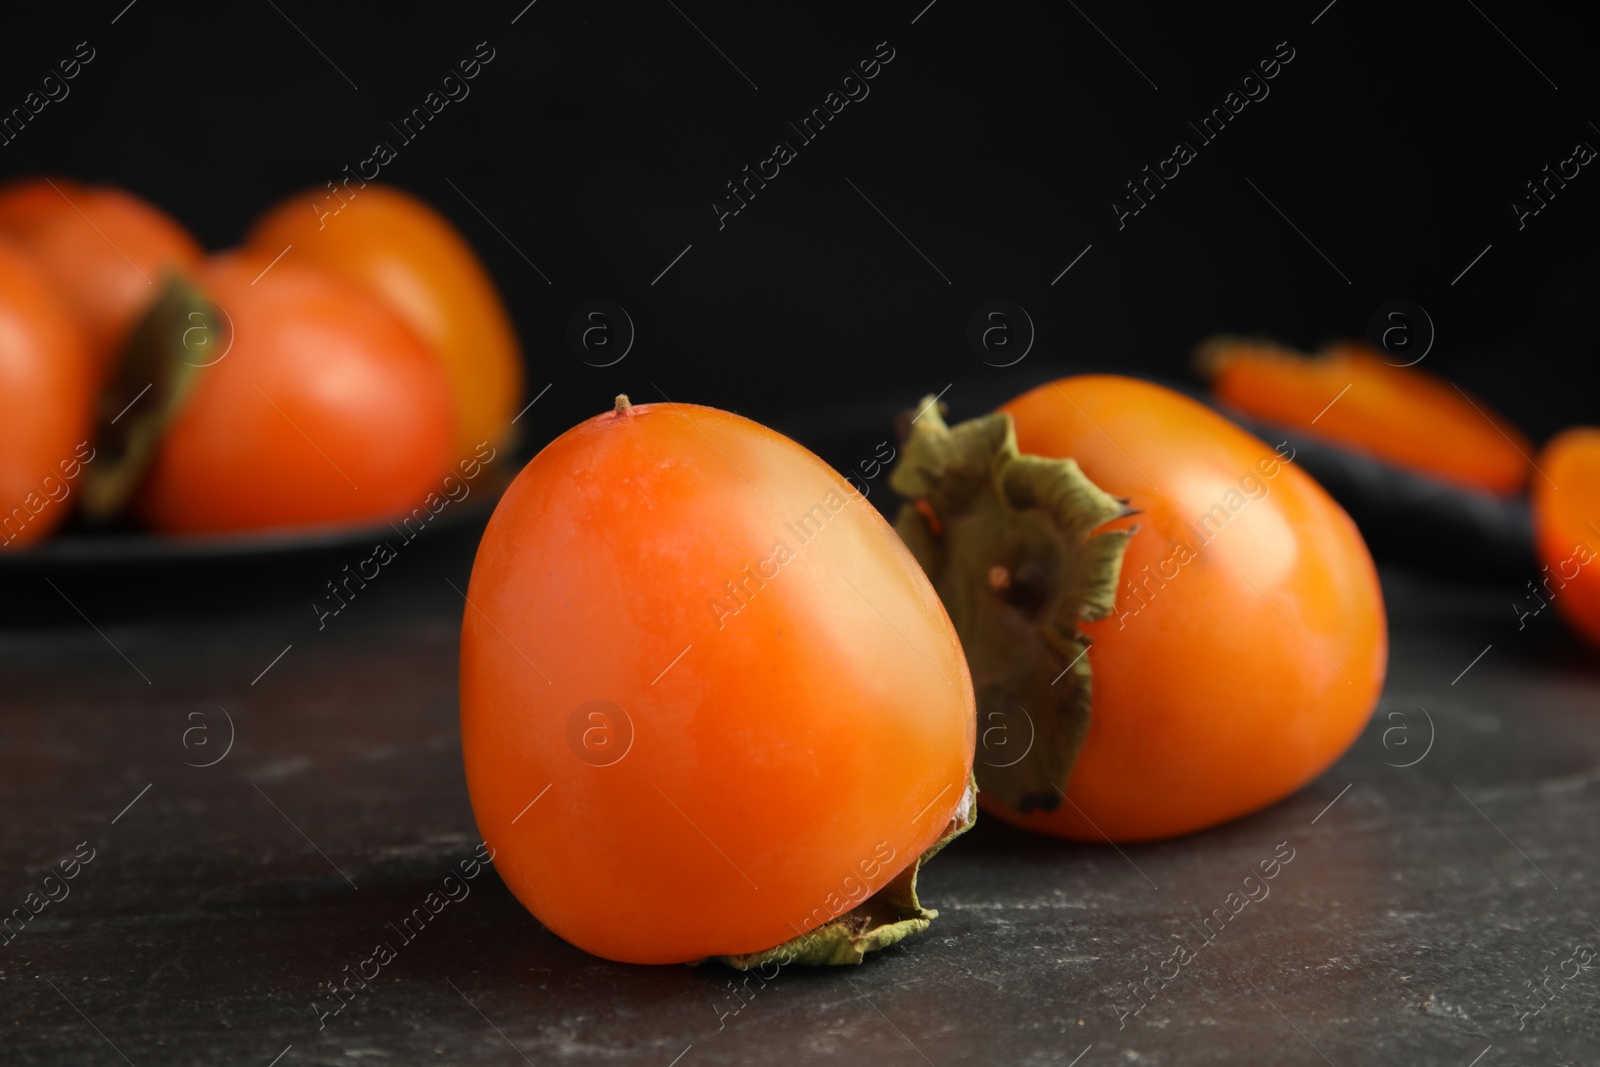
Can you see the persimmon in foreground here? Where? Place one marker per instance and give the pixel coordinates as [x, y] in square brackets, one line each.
[710, 705]
[1349, 394]
[1566, 527]
[1239, 641]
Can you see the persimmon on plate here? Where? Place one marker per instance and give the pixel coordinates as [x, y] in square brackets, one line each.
[405, 253]
[45, 402]
[105, 250]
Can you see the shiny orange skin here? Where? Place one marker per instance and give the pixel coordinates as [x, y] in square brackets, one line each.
[1566, 527]
[1256, 657]
[28, 203]
[325, 409]
[45, 402]
[107, 253]
[786, 759]
[398, 247]
[1401, 414]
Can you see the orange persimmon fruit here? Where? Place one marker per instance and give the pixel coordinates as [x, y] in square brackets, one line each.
[1566, 526]
[1232, 642]
[106, 250]
[28, 203]
[709, 702]
[402, 250]
[45, 401]
[322, 408]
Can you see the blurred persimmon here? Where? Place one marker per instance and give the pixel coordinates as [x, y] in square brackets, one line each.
[321, 406]
[1348, 394]
[106, 250]
[28, 203]
[45, 401]
[1566, 527]
[397, 247]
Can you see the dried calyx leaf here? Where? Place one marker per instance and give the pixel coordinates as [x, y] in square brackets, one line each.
[1013, 545]
[178, 337]
[887, 917]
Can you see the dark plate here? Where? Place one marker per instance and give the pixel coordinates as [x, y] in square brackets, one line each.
[110, 577]
[76, 547]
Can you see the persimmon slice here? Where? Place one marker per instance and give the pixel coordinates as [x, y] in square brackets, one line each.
[1348, 394]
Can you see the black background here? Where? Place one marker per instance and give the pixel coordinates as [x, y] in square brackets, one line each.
[996, 140]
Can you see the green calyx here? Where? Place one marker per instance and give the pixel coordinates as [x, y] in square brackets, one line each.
[180, 335]
[889, 916]
[1013, 545]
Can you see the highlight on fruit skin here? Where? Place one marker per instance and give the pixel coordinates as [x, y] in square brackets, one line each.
[710, 704]
[1168, 623]
[1566, 529]
[1349, 394]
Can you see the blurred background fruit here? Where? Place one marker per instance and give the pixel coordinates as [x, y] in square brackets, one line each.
[1566, 526]
[107, 252]
[326, 408]
[403, 251]
[45, 401]
[1351, 394]
[28, 203]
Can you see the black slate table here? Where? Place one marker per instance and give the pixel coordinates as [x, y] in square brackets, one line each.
[1440, 907]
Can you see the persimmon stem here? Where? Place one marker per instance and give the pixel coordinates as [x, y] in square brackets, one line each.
[1015, 548]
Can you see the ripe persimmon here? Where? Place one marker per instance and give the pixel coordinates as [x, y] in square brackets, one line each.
[1349, 394]
[45, 402]
[1566, 526]
[28, 203]
[106, 250]
[1237, 627]
[397, 247]
[709, 702]
[321, 407]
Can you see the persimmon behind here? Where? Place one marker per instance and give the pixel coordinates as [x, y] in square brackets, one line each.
[321, 407]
